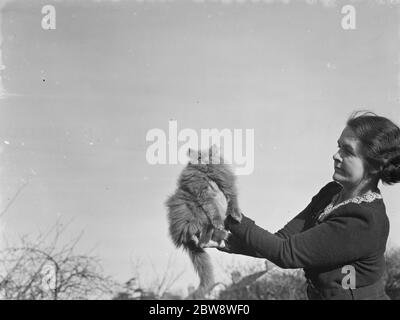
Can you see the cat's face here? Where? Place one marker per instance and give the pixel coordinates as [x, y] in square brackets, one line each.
[210, 156]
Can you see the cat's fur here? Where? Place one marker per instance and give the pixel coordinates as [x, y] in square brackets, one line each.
[193, 216]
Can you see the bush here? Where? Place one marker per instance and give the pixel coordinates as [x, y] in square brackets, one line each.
[275, 284]
[279, 284]
[392, 274]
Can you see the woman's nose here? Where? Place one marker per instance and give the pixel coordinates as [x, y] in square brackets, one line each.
[336, 157]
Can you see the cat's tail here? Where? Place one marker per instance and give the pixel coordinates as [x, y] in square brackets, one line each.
[202, 264]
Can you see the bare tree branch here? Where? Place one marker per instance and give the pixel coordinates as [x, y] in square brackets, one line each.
[75, 276]
[13, 198]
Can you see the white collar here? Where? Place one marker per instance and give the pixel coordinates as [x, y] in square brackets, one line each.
[366, 197]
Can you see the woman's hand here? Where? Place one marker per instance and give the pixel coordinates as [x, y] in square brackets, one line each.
[230, 245]
[219, 198]
[222, 246]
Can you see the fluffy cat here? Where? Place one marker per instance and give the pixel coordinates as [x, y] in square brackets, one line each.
[194, 219]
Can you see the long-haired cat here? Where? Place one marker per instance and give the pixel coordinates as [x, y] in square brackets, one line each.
[194, 219]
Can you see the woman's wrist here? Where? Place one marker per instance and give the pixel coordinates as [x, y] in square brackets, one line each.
[229, 221]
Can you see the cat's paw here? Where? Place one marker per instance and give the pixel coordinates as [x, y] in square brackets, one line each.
[236, 215]
[210, 244]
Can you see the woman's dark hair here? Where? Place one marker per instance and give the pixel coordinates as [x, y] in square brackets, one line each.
[380, 144]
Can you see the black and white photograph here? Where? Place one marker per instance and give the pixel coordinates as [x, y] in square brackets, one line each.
[212, 151]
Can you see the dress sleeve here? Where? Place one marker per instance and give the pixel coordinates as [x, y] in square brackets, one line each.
[337, 240]
[297, 224]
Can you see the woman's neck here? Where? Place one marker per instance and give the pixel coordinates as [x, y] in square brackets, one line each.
[348, 192]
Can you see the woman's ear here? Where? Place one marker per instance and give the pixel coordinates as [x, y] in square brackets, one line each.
[373, 173]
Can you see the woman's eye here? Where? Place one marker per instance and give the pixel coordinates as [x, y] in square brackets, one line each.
[348, 152]
[342, 151]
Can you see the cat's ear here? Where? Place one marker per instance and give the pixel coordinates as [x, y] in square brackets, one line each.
[214, 150]
[193, 156]
[214, 154]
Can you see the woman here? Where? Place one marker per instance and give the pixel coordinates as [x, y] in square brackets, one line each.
[339, 239]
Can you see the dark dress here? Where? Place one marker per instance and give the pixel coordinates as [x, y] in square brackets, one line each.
[352, 235]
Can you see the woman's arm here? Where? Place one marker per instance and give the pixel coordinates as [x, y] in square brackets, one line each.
[297, 224]
[338, 240]
[236, 246]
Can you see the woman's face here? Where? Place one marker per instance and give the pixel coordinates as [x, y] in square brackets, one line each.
[349, 165]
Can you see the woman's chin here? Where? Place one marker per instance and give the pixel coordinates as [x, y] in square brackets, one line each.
[337, 177]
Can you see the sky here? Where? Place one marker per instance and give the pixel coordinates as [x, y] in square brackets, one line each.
[77, 103]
